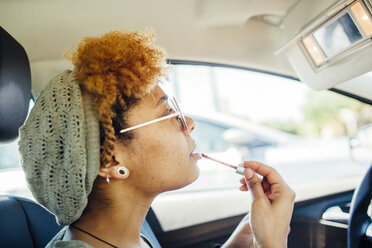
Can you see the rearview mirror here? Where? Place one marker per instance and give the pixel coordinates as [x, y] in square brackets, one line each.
[361, 145]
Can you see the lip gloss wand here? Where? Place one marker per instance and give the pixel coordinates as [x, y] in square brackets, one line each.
[238, 169]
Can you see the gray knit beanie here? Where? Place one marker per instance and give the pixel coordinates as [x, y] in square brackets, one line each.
[59, 148]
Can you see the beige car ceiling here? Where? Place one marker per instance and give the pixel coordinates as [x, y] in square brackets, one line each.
[238, 32]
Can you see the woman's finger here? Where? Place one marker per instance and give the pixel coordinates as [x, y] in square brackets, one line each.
[270, 173]
[254, 184]
[265, 184]
[243, 187]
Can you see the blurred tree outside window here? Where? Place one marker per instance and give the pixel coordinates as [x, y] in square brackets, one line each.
[277, 102]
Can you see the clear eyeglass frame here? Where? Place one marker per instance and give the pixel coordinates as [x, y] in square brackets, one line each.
[172, 102]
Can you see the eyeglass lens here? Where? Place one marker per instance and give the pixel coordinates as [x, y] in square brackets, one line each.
[174, 105]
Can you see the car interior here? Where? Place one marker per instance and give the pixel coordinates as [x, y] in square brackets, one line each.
[322, 45]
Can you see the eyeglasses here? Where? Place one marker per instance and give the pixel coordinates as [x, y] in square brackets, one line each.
[174, 106]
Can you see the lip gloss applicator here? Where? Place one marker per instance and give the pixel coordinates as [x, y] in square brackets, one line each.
[238, 169]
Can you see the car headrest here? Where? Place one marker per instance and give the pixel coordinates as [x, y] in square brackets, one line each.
[15, 86]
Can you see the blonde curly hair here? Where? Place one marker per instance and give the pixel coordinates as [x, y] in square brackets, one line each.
[118, 69]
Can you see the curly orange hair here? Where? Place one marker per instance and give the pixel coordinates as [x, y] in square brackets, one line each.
[115, 67]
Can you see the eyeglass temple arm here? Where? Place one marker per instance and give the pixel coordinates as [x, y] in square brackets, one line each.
[150, 122]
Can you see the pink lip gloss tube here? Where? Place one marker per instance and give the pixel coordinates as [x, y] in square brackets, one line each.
[238, 169]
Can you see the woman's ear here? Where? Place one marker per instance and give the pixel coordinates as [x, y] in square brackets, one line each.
[114, 171]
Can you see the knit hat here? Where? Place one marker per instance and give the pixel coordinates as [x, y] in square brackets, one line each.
[59, 148]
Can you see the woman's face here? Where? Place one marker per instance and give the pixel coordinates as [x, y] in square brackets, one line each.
[158, 157]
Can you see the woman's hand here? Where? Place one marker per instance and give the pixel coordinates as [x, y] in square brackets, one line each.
[267, 224]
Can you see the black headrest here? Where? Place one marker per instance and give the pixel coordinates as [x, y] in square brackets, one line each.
[15, 86]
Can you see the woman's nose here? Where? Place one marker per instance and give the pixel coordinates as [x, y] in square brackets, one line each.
[190, 125]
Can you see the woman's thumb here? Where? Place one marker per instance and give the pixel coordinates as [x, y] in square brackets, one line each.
[253, 183]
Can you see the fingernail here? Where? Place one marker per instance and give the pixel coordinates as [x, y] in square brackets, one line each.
[248, 173]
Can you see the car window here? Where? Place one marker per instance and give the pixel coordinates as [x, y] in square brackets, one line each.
[9, 157]
[278, 121]
[247, 115]
[209, 137]
[12, 179]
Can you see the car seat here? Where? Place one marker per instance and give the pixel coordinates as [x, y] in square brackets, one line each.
[23, 222]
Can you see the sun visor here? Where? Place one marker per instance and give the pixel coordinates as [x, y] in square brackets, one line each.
[333, 47]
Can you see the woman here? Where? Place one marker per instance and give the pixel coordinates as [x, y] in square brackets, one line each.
[103, 140]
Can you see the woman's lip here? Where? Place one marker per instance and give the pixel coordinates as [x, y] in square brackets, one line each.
[193, 149]
[196, 156]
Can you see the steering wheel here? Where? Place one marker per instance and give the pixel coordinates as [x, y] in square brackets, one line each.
[359, 233]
